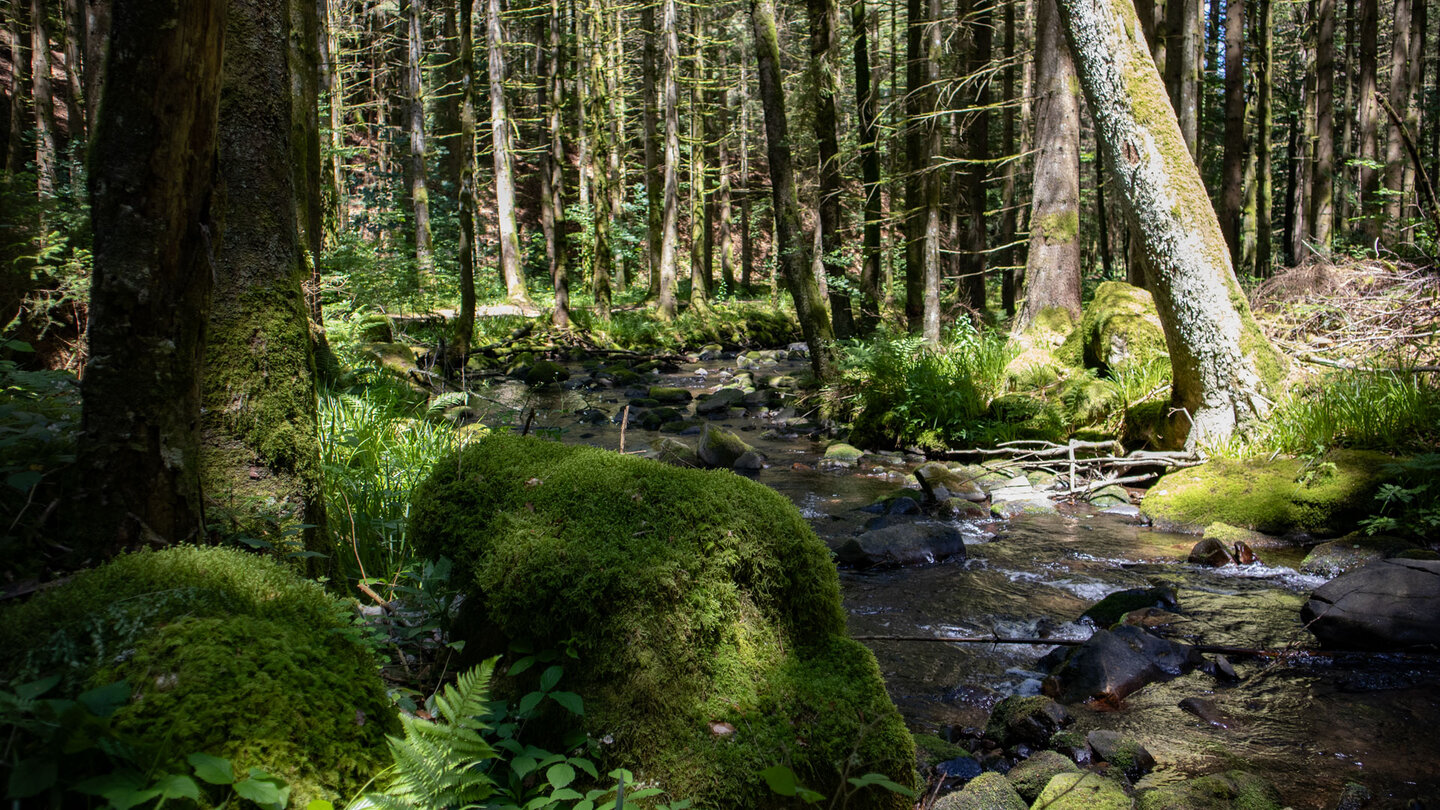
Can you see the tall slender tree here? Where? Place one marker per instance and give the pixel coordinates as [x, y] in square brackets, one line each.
[465, 318]
[974, 246]
[504, 158]
[670, 219]
[1232, 173]
[1366, 118]
[792, 252]
[824, 18]
[598, 103]
[868, 135]
[1264, 125]
[42, 94]
[1322, 182]
[411, 11]
[554, 166]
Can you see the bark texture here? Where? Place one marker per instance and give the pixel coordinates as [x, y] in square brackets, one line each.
[260, 425]
[504, 158]
[670, 216]
[824, 59]
[411, 10]
[1052, 271]
[1322, 186]
[1223, 365]
[465, 318]
[793, 258]
[154, 156]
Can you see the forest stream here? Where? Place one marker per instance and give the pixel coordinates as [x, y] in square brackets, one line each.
[1309, 724]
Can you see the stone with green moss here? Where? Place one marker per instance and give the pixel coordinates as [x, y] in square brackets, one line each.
[666, 394]
[1352, 551]
[373, 327]
[228, 653]
[1089, 401]
[545, 372]
[1271, 496]
[1119, 326]
[1082, 791]
[988, 791]
[674, 452]
[1230, 535]
[396, 358]
[719, 448]
[842, 453]
[1032, 720]
[931, 749]
[1231, 790]
[690, 597]
[1032, 775]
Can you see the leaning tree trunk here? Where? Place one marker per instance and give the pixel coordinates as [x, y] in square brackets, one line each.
[1223, 365]
[792, 253]
[153, 152]
[259, 420]
[1052, 271]
[504, 160]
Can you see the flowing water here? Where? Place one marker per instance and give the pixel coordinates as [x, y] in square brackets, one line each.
[1309, 723]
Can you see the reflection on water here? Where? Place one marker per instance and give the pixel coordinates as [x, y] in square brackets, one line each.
[1308, 724]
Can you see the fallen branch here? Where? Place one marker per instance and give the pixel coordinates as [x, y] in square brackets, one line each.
[1348, 366]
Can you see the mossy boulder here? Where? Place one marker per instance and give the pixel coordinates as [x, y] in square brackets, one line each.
[374, 327]
[1351, 552]
[1032, 775]
[1035, 348]
[668, 395]
[545, 372]
[1118, 327]
[690, 597]
[227, 653]
[396, 358]
[1083, 791]
[1272, 496]
[719, 448]
[1090, 401]
[1231, 790]
[988, 791]
[1030, 720]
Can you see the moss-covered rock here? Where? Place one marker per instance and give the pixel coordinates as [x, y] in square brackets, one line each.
[661, 393]
[1031, 720]
[1119, 326]
[1089, 401]
[1031, 776]
[1035, 357]
[227, 653]
[395, 358]
[1274, 497]
[690, 597]
[544, 372]
[1082, 791]
[1231, 790]
[373, 327]
[1351, 552]
[719, 448]
[988, 791]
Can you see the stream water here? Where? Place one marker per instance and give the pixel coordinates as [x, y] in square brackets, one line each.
[1309, 724]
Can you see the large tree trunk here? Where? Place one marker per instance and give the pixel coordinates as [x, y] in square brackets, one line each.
[335, 205]
[1400, 89]
[670, 218]
[700, 254]
[867, 134]
[824, 59]
[792, 252]
[415, 126]
[259, 421]
[918, 120]
[1322, 186]
[97, 47]
[1052, 271]
[747, 249]
[1223, 365]
[153, 153]
[15, 157]
[504, 159]
[1232, 192]
[1009, 216]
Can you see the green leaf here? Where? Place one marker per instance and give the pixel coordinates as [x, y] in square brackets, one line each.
[521, 665]
[883, 781]
[31, 777]
[550, 677]
[124, 800]
[560, 775]
[260, 789]
[105, 700]
[319, 804]
[177, 786]
[570, 701]
[781, 780]
[585, 765]
[522, 766]
[121, 781]
[529, 702]
[215, 770]
[29, 691]
[565, 795]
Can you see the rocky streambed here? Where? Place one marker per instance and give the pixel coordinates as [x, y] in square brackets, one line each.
[970, 556]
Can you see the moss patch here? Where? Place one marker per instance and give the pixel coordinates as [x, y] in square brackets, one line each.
[1220, 791]
[988, 791]
[1082, 791]
[227, 653]
[691, 597]
[1273, 497]
[1118, 326]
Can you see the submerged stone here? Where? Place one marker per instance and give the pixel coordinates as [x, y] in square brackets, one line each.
[1124, 753]
[1116, 663]
[902, 544]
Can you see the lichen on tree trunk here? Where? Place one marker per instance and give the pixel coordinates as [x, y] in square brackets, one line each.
[1224, 366]
[261, 452]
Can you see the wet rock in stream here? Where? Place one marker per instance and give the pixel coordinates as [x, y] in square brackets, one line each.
[1031, 776]
[1216, 791]
[902, 544]
[1122, 753]
[1029, 720]
[1112, 608]
[989, 791]
[1387, 605]
[1116, 663]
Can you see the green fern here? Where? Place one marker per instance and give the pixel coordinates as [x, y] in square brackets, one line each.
[439, 765]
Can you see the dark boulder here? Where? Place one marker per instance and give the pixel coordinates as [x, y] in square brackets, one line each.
[902, 544]
[1029, 720]
[1116, 663]
[1387, 605]
[1114, 607]
[1211, 553]
[1124, 753]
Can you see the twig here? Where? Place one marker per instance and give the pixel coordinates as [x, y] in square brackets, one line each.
[1345, 364]
[624, 423]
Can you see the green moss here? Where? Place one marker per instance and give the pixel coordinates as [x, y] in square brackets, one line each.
[228, 653]
[1082, 791]
[932, 749]
[1269, 496]
[1031, 776]
[1054, 320]
[1231, 790]
[988, 791]
[690, 597]
[1089, 401]
[1059, 227]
